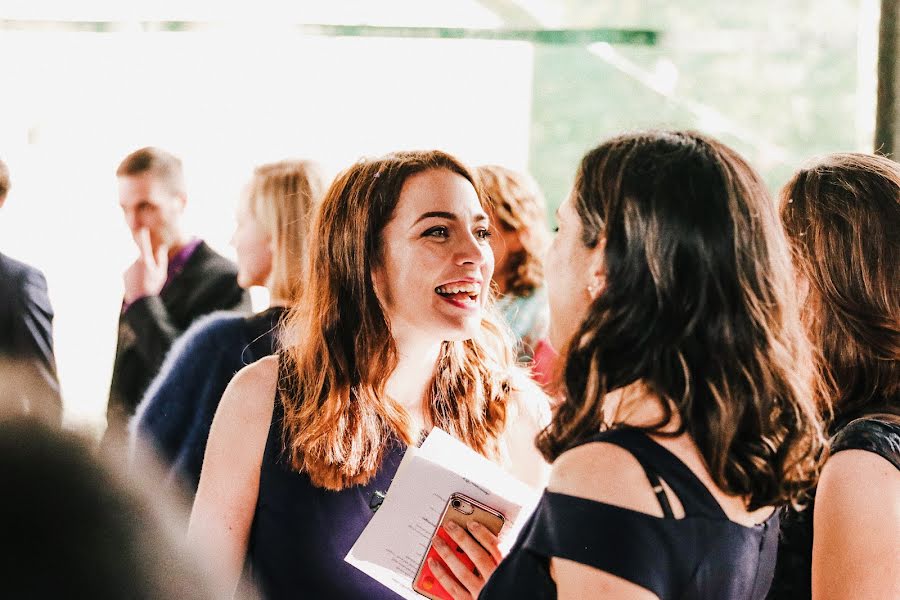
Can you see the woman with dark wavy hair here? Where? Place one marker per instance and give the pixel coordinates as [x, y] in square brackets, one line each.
[688, 413]
[842, 215]
[392, 335]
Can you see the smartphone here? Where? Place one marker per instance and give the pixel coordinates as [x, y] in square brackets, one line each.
[461, 510]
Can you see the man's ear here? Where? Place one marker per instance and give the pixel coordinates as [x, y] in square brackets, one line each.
[181, 201]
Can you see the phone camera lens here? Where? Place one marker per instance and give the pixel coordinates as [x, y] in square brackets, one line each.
[456, 504]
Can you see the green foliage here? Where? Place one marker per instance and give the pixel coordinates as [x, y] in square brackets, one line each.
[779, 79]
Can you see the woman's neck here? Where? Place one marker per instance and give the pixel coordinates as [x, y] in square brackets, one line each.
[637, 406]
[411, 379]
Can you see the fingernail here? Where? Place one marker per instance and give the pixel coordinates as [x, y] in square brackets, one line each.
[474, 525]
[452, 526]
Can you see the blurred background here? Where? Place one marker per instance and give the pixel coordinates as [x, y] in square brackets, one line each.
[529, 84]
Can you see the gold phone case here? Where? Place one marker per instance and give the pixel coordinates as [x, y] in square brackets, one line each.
[461, 510]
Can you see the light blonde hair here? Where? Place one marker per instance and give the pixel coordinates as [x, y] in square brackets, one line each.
[282, 196]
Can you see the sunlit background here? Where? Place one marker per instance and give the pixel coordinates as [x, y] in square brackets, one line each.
[530, 84]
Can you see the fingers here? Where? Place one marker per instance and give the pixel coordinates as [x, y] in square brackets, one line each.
[484, 561]
[162, 256]
[142, 239]
[462, 572]
[447, 581]
[487, 540]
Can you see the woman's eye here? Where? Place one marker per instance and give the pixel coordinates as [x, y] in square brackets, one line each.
[484, 234]
[438, 232]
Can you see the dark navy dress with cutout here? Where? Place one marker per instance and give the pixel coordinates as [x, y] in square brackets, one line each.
[793, 572]
[703, 555]
[301, 533]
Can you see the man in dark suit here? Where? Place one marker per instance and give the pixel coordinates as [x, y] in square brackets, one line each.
[174, 280]
[27, 365]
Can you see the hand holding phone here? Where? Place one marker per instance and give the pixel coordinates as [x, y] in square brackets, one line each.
[463, 551]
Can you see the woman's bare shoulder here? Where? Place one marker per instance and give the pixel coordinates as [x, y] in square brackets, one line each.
[604, 473]
[528, 400]
[250, 396]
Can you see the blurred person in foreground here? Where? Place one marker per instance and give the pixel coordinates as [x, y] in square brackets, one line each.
[26, 332]
[520, 239]
[393, 335]
[175, 280]
[842, 215]
[271, 240]
[688, 414]
[76, 527]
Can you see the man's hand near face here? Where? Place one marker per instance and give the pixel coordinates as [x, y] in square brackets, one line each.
[147, 275]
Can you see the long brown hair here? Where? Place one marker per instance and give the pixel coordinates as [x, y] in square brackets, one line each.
[339, 350]
[699, 307]
[281, 196]
[517, 205]
[842, 215]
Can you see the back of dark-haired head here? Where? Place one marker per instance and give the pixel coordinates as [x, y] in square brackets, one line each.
[842, 215]
[163, 166]
[72, 528]
[698, 306]
[4, 181]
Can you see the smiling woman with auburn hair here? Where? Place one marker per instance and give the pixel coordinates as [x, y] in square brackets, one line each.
[393, 335]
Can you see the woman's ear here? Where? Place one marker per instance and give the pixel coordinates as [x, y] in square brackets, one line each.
[597, 270]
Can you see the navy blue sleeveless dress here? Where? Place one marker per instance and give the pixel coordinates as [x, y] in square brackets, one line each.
[301, 533]
[703, 555]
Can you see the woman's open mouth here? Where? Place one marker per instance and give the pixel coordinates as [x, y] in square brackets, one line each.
[460, 294]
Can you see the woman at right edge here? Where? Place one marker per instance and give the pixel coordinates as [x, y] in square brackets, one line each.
[842, 216]
[688, 413]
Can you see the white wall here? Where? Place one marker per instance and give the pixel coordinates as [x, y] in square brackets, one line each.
[73, 104]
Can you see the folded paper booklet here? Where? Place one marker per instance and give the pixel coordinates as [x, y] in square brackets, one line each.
[392, 545]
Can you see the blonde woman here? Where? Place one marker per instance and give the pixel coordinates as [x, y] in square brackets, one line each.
[271, 240]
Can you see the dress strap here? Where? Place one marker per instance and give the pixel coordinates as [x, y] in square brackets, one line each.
[695, 498]
[660, 492]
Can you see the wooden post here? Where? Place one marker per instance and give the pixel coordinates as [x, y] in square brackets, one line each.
[887, 117]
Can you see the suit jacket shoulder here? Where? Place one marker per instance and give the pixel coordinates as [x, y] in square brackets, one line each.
[26, 335]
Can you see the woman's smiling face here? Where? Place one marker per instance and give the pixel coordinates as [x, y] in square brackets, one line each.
[436, 261]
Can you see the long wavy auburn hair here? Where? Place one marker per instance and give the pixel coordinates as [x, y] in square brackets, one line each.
[339, 352]
[517, 205]
[842, 216]
[699, 307]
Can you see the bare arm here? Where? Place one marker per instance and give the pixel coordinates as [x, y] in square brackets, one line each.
[229, 483]
[529, 413]
[856, 524]
[609, 474]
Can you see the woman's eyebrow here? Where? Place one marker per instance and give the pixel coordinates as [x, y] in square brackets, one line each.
[437, 213]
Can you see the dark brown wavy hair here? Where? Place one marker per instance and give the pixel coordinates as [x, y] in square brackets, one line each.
[699, 307]
[842, 215]
[517, 205]
[339, 351]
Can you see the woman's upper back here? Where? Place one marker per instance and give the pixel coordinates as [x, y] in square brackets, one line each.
[703, 554]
